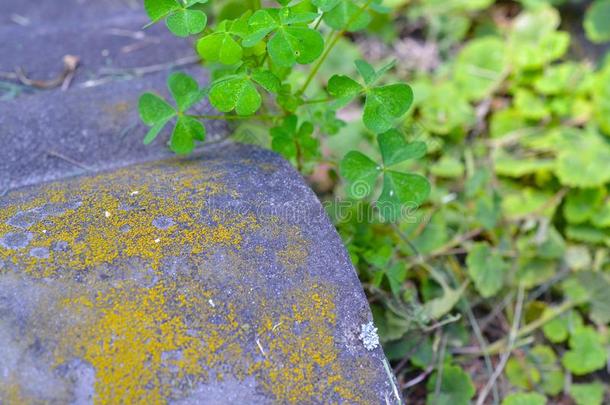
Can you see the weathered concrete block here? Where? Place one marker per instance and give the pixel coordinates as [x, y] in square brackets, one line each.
[217, 279]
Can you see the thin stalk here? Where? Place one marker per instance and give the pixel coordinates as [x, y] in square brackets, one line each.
[512, 338]
[234, 117]
[331, 45]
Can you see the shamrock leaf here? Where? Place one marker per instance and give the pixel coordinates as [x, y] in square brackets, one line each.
[181, 19]
[294, 142]
[325, 5]
[383, 105]
[220, 46]
[236, 92]
[185, 22]
[158, 9]
[185, 90]
[346, 14]
[186, 132]
[586, 353]
[361, 172]
[456, 387]
[486, 269]
[291, 40]
[156, 113]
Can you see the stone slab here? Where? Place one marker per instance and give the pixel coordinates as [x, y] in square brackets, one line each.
[32, 13]
[210, 280]
[59, 134]
[109, 47]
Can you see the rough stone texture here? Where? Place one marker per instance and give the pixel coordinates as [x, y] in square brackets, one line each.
[106, 48]
[31, 13]
[56, 134]
[216, 279]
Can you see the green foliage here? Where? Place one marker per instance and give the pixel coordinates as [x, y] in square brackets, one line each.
[456, 388]
[182, 19]
[399, 188]
[586, 353]
[588, 394]
[254, 53]
[156, 113]
[596, 21]
[486, 268]
[522, 398]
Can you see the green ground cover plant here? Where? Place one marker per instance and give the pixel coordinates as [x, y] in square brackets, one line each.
[485, 163]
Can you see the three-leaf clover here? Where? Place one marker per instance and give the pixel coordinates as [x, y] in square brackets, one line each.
[238, 91]
[383, 105]
[399, 188]
[291, 40]
[180, 17]
[222, 45]
[156, 113]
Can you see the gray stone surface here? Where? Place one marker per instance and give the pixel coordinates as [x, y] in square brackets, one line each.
[214, 279]
[32, 13]
[57, 134]
[110, 47]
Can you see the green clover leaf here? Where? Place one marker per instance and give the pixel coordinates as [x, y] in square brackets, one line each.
[383, 104]
[399, 189]
[361, 173]
[235, 92]
[292, 141]
[346, 14]
[180, 19]
[325, 5]
[156, 113]
[220, 47]
[291, 40]
[184, 90]
[158, 9]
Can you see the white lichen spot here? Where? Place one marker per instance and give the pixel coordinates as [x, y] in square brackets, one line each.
[369, 336]
[107, 214]
[157, 240]
[211, 303]
[136, 192]
[44, 231]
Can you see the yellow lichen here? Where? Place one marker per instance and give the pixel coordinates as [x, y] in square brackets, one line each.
[151, 336]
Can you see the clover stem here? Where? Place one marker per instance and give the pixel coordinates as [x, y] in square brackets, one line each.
[234, 117]
[319, 101]
[500, 345]
[331, 45]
